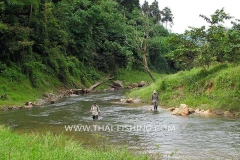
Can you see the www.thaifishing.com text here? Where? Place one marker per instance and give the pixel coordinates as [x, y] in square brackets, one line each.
[119, 128]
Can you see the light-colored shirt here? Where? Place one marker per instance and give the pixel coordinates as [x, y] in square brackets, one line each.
[95, 110]
[154, 97]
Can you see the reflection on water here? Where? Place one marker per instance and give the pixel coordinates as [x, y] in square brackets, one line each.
[192, 137]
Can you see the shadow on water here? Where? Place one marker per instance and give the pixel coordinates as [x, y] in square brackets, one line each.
[191, 137]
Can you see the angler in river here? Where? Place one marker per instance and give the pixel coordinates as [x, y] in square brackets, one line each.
[95, 111]
[155, 100]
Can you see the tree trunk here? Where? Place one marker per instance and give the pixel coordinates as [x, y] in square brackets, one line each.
[94, 86]
[30, 14]
[144, 50]
[143, 44]
[146, 66]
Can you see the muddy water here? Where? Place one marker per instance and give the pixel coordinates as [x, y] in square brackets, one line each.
[192, 137]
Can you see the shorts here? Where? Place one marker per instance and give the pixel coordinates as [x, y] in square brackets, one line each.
[95, 116]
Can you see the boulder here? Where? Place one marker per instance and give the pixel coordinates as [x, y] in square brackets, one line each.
[141, 84]
[129, 87]
[191, 110]
[207, 112]
[198, 111]
[134, 85]
[228, 114]
[28, 105]
[183, 110]
[130, 100]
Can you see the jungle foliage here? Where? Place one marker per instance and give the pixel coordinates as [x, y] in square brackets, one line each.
[77, 42]
[76, 39]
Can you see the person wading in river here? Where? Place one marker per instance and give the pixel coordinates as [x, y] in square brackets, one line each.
[95, 111]
[155, 100]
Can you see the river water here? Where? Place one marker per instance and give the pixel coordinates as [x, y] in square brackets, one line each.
[175, 137]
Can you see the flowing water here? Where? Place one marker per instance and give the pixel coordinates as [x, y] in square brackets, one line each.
[175, 137]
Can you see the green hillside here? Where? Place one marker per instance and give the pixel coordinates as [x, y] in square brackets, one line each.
[217, 88]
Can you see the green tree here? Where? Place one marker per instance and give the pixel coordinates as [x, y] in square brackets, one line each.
[158, 48]
[139, 37]
[203, 46]
[216, 36]
[145, 7]
[155, 12]
[16, 43]
[183, 51]
[97, 31]
[167, 16]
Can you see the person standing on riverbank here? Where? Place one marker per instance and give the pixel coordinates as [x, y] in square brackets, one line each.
[95, 111]
[155, 100]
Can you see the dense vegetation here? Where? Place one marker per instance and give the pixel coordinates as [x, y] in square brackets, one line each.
[66, 44]
[71, 44]
[73, 39]
[51, 45]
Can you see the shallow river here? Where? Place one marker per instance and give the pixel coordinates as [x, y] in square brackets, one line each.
[191, 137]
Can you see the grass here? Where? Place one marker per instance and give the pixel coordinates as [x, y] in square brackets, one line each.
[17, 92]
[217, 88]
[134, 76]
[56, 147]
[21, 91]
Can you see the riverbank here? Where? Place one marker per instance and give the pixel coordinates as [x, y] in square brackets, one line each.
[57, 147]
[215, 89]
[19, 93]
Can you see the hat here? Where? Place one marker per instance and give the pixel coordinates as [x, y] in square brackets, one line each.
[154, 91]
[94, 102]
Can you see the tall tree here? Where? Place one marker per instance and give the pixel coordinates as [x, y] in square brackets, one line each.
[140, 36]
[145, 7]
[167, 16]
[155, 12]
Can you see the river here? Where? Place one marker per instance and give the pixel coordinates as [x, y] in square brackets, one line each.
[190, 137]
